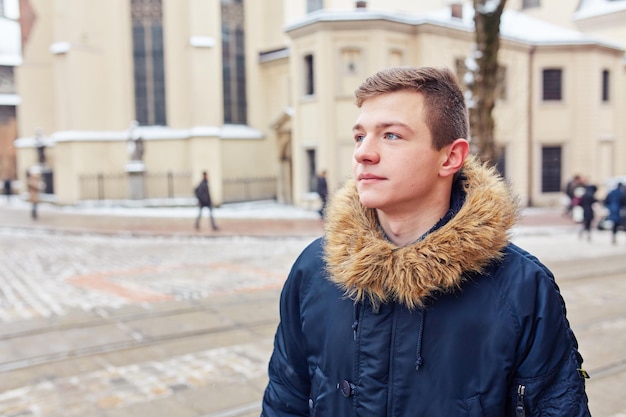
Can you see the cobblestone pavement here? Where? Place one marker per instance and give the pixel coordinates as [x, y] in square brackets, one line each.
[48, 279]
[120, 317]
[42, 275]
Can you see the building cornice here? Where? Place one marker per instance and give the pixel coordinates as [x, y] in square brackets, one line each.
[515, 26]
[148, 133]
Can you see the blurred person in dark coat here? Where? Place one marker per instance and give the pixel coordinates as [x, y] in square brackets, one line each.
[204, 200]
[322, 191]
[615, 202]
[587, 201]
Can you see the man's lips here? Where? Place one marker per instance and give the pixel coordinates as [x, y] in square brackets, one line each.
[369, 177]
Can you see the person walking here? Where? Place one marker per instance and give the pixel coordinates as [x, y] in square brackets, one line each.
[415, 302]
[322, 191]
[615, 202]
[34, 184]
[572, 195]
[587, 202]
[8, 191]
[203, 195]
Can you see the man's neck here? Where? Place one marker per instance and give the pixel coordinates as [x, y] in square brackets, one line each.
[406, 227]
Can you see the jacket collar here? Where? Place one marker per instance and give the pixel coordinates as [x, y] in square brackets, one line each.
[366, 266]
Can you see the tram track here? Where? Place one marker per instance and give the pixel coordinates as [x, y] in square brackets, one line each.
[118, 346]
[103, 318]
[136, 339]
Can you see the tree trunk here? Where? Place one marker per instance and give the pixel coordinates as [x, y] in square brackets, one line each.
[487, 22]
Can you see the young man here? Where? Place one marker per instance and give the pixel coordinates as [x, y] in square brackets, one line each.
[415, 303]
[204, 200]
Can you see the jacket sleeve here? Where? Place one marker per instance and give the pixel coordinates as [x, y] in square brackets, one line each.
[287, 393]
[548, 380]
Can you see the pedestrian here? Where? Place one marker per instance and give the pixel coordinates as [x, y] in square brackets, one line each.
[204, 200]
[35, 186]
[322, 191]
[587, 202]
[8, 191]
[572, 194]
[615, 204]
[415, 302]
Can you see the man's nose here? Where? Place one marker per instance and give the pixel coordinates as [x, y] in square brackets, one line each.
[366, 151]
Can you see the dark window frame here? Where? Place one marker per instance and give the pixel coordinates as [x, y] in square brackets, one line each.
[529, 4]
[149, 62]
[309, 75]
[312, 170]
[234, 82]
[552, 84]
[314, 5]
[551, 168]
[606, 85]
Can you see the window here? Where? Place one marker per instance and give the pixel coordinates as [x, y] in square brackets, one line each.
[7, 80]
[312, 170]
[7, 114]
[527, 4]
[234, 63]
[551, 169]
[552, 84]
[313, 5]
[149, 74]
[605, 85]
[309, 75]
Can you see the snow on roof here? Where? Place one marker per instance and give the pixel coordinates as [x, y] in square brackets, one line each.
[524, 28]
[514, 25]
[593, 8]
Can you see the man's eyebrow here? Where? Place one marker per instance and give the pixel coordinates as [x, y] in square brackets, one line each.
[384, 125]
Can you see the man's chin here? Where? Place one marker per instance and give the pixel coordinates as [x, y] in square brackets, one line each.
[369, 202]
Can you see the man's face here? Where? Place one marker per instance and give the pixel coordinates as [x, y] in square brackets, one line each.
[395, 165]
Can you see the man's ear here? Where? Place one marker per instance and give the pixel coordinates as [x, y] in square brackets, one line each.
[455, 155]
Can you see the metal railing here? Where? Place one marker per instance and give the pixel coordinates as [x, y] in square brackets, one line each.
[117, 186]
[249, 189]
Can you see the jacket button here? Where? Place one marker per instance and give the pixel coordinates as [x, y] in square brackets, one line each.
[346, 388]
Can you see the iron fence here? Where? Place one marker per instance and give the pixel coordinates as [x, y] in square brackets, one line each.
[249, 189]
[117, 186]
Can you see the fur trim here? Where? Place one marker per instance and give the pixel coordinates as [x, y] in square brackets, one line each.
[368, 267]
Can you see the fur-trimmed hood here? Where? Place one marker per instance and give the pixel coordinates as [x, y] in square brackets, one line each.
[368, 267]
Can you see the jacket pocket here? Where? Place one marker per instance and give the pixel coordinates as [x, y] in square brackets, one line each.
[317, 383]
[474, 407]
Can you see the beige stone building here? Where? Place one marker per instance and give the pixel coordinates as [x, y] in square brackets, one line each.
[260, 93]
[10, 57]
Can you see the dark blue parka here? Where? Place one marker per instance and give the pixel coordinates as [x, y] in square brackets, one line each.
[461, 323]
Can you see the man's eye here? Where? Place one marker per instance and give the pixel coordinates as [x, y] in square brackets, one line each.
[391, 136]
[359, 138]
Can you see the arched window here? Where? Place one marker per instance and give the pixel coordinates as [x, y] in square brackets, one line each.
[234, 62]
[149, 74]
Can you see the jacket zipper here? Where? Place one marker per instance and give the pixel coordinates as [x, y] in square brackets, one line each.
[520, 410]
[355, 324]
